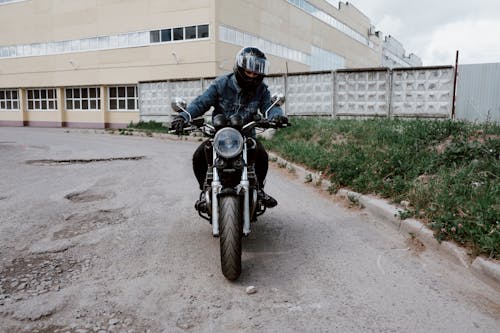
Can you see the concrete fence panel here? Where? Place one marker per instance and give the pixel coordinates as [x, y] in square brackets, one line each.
[362, 93]
[154, 101]
[309, 94]
[422, 92]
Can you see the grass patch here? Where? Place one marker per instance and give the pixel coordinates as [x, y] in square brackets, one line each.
[149, 126]
[448, 171]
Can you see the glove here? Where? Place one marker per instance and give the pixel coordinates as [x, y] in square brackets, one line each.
[280, 120]
[178, 124]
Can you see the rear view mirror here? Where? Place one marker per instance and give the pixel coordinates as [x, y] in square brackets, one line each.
[178, 104]
[278, 99]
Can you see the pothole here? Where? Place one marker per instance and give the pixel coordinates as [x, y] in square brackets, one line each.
[79, 223]
[88, 196]
[34, 275]
[82, 161]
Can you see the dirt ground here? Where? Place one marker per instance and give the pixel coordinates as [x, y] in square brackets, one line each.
[98, 234]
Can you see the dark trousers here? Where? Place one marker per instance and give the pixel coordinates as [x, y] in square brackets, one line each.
[259, 155]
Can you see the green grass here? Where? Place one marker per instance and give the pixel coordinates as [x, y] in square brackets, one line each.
[448, 170]
[150, 126]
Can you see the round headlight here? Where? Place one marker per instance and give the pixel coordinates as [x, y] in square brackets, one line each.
[228, 142]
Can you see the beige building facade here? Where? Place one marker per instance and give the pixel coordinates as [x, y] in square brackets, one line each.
[78, 63]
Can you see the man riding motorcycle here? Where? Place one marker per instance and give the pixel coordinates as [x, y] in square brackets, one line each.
[239, 93]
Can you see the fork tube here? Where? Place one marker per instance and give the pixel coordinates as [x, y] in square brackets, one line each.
[245, 184]
[215, 203]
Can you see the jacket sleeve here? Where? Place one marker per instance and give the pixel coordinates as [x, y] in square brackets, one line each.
[202, 103]
[265, 103]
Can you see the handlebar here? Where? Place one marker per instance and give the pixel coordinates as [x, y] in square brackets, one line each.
[210, 130]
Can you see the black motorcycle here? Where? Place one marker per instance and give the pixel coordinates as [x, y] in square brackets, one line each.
[230, 189]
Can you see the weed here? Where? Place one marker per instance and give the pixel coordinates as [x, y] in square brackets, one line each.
[404, 214]
[448, 170]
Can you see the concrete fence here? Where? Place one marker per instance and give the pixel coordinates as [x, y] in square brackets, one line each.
[423, 92]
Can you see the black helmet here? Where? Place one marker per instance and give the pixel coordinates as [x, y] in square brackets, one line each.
[254, 60]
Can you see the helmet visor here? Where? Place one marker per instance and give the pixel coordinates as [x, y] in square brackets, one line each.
[253, 63]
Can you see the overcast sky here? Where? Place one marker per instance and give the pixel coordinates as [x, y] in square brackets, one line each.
[435, 29]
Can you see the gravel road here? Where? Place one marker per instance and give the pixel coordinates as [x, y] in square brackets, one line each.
[98, 234]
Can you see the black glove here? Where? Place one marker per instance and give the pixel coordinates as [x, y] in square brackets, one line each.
[178, 124]
[280, 120]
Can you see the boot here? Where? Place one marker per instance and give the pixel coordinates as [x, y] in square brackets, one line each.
[266, 199]
[201, 204]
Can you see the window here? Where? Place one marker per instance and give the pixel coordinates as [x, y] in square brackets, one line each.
[9, 99]
[154, 36]
[42, 99]
[190, 32]
[83, 99]
[178, 33]
[166, 35]
[123, 98]
[203, 31]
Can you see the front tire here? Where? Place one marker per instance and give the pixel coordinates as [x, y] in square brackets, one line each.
[230, 236]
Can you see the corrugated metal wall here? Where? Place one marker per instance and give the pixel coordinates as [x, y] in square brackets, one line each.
[478, 92]
[418, 92]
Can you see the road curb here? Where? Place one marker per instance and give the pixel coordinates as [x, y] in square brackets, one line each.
[486, 269]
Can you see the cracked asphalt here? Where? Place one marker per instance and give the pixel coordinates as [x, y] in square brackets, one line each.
[98, 234]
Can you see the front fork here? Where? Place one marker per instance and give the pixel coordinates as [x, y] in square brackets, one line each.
[243, 186]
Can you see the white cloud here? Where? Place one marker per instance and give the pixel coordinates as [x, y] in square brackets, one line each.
[474, 40]
[434, 30]
[390, 23]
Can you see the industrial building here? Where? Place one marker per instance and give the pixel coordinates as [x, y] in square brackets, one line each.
[78, 63]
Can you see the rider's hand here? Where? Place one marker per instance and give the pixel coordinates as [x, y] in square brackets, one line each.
[280, 120]
[178, 124]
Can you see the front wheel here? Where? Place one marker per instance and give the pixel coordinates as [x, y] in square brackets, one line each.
[230, 236]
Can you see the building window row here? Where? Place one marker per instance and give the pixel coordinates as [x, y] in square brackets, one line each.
[9, 100]
[5, 2]
[129, 39]
[41, 99]
[331, 21]
[177, 34]
[123, 98]
[120, 98]
[236, 37]
[325, 60]
[319, 59]
[83, 99]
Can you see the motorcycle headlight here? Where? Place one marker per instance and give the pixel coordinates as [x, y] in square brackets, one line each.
[228, 142]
